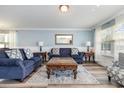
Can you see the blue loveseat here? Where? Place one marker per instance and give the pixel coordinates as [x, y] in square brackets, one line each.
[66, 52]
[16, 68]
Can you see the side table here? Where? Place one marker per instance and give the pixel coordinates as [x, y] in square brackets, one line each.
[43, 54]
[89, 55]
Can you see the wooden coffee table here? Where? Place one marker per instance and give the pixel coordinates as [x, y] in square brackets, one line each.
[62, 64]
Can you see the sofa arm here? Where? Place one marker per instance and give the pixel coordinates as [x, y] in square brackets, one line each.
[49, 55]
[81, 54]
[36, 55]
[10, 62]
[115, 63]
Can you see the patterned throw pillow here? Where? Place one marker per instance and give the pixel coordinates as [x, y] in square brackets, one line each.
[28, 53]
[14, 54]
[74, 51]
[55, 51]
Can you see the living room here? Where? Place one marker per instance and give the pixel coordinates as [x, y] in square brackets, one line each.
[52, 46]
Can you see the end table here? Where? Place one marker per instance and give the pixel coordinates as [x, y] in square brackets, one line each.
[88, 56]
[43, 54]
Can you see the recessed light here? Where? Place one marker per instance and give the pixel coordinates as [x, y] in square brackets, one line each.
[64, 8]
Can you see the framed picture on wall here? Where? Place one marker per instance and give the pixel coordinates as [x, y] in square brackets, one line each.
[63, 39]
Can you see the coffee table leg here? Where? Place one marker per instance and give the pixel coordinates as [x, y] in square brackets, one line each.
[75, 74]
[48, 73]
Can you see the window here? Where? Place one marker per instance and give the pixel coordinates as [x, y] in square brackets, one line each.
[107, 39]
[119, 33]
[106, 45]
[4, 40]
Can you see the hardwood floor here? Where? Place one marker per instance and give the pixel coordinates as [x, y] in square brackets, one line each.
[98, 72]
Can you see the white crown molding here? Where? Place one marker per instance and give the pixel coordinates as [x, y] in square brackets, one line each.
[50, 29]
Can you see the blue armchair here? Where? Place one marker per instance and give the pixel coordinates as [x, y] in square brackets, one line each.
[16, 68]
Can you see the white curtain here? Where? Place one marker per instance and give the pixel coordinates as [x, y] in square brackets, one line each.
[12, 39]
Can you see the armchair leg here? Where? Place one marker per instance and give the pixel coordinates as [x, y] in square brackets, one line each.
[109, 78]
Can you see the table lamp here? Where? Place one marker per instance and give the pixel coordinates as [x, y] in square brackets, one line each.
[88, 44]
[41, 45]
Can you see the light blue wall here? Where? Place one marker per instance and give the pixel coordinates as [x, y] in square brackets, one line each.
[31, 38]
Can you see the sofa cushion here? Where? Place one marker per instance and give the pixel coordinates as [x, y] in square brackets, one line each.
[36, 59]
[55, 51]
[23, 54]
[74, 51]
[65, 52]
[28, 53]
[14, 54]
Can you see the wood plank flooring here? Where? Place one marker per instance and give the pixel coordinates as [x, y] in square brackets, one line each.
[98, 72]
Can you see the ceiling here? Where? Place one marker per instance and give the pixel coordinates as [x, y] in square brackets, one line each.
[49, 16]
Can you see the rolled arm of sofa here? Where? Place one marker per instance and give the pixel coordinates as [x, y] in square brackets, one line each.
[81, 54]
[10, 62]
[115, 63]
[49, 55]
[36, 55]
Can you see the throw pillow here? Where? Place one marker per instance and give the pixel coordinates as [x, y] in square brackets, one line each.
[55, 51]
[28, 53]
[74, 51]
[14, 54]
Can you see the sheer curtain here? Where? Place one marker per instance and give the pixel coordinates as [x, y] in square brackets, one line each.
[12, 39]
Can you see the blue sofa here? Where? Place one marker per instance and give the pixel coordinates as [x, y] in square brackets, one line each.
[16, 68]
[66, 52]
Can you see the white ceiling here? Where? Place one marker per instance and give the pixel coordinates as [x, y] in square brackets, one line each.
[49, 16]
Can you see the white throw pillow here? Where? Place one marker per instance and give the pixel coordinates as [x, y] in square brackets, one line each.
[74, 51]
[28, 53]
[55, 51]
[14, 54]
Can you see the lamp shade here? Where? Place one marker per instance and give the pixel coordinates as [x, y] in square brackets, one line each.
[88, 43]
[40, 43]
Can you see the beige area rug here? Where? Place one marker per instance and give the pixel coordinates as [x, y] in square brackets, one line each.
[39, 79]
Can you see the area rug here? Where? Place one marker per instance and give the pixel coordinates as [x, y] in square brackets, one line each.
[39, 79]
